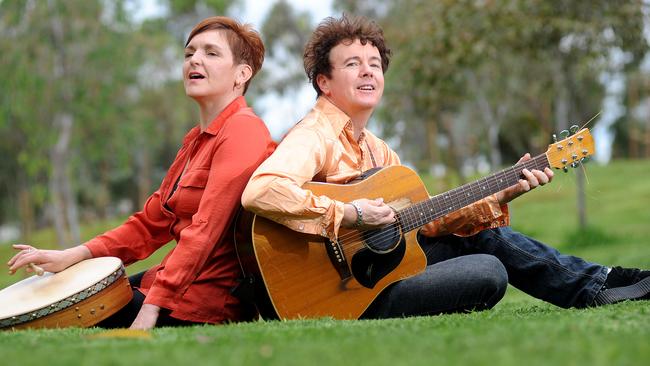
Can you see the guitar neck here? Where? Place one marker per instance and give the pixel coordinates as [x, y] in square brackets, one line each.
[426, 211]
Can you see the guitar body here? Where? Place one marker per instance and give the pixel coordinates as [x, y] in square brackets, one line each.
[296, 276]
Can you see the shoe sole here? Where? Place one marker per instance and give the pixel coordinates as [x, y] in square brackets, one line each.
[618, 294]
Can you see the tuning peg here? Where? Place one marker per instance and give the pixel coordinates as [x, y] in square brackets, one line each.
[574, 164]
[584, 160]
[573, 129]
[564, 134]
[554, 138]
[566, 170]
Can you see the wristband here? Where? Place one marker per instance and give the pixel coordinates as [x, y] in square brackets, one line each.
[359, 221]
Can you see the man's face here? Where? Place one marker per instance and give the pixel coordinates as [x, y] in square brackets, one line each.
[357, 81]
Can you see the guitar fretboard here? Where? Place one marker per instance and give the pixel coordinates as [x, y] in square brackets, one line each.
[426, 211]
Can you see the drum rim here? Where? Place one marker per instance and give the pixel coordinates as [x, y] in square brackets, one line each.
[66, 302]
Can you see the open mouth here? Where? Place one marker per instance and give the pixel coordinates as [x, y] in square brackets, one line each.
[366, 87]
[196, 75]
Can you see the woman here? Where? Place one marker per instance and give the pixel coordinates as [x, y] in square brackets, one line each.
[198, 198]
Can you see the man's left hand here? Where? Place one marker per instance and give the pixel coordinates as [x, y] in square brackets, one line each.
[533, 179]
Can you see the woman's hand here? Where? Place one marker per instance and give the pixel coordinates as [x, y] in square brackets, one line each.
[534, 178]
[147, 317]
[374, 213]
[48, 260]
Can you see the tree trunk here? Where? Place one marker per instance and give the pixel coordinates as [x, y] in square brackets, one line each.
[432, 144]
[456, 158]
[26, 213]
[493, 138]
[63, 201]
[581, 202]
[143, 178]
[103, 192]
[563, 115]
[491, 120]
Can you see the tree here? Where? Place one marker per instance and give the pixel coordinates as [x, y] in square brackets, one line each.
[80, 112]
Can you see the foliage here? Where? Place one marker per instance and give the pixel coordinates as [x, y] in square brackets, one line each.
[463, 67]
[285, 32]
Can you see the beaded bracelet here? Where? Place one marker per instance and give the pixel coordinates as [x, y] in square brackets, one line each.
[359, 221]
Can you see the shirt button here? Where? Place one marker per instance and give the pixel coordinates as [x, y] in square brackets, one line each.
[302, 226]
[324, 232]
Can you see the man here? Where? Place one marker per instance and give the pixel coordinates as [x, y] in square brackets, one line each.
[471, 254]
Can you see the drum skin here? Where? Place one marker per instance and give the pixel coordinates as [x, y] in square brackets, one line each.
[79, 296]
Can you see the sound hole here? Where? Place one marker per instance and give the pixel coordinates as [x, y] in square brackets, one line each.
[383, 240]
[369, 267]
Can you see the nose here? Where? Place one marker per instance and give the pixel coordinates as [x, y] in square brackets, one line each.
[195, 59]
[365, 70]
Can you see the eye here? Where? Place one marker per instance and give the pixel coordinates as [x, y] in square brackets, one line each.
[352, 64]
[188, 54]
[377, 66]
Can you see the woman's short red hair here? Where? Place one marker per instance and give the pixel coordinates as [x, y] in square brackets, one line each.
[245, 42]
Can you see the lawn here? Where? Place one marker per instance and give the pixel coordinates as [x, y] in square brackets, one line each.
[519, 330]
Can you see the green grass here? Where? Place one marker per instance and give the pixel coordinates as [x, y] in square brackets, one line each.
[508, 335]
[519, 330]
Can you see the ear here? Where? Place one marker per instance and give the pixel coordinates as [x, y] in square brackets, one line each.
[243, 73]
[323, 83]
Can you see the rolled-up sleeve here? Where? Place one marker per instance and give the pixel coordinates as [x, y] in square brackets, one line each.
[469, 220]
[142, 234]
[275, 189]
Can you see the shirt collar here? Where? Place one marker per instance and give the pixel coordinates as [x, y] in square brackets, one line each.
[337, 118]
[216, 124]
[232, 108]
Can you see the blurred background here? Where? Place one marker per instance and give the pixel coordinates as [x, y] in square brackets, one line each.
[92, 107]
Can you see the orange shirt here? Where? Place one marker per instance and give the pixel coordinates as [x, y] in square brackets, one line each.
[195, 278]
[322, 148]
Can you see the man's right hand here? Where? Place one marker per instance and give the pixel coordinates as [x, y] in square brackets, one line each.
[375, 213]
[48, 260]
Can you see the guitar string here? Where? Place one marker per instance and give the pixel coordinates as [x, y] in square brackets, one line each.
[454, 196]
[383, 237]
[354, 240]
[409, 216]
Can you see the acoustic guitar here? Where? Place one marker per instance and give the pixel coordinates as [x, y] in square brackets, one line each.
[296, 275]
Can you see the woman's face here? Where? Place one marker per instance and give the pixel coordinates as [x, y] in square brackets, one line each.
[209, 71]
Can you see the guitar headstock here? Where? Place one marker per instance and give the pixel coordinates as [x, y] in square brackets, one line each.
[572, 150]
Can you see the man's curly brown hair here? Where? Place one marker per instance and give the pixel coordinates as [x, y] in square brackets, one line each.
[332, 32]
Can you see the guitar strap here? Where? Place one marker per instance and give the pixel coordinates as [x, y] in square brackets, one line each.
[372, 156]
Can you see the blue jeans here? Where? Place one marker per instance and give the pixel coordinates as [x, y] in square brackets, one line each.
[472, 273]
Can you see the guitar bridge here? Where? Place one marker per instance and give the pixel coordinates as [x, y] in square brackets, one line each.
[337, 257]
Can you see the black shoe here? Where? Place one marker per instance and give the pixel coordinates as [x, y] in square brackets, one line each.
[620, 277]
[624, 284]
